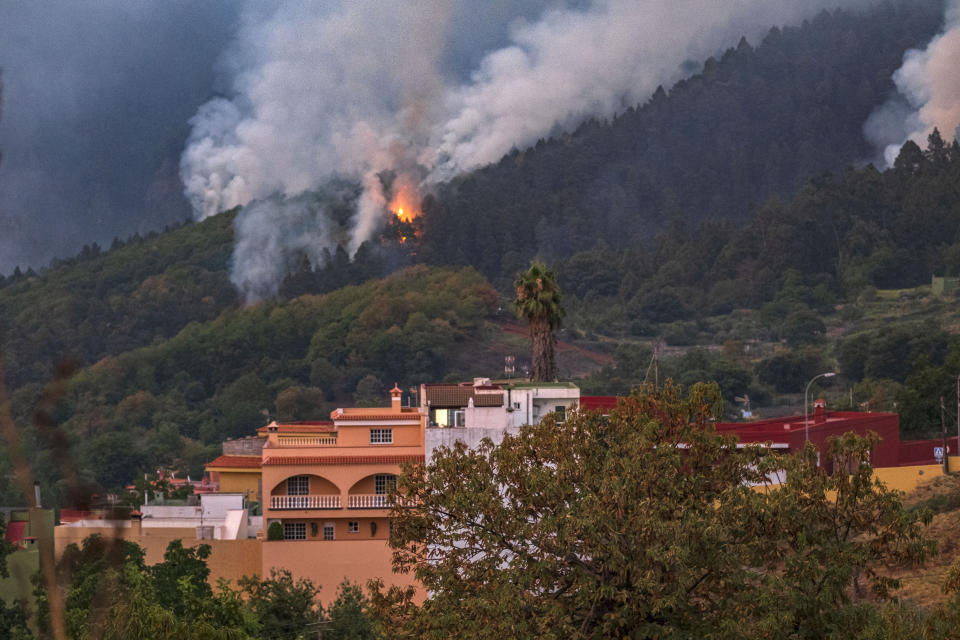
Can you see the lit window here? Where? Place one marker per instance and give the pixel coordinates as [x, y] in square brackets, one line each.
[381, 436]
[353, 527]
[328, 531]
[384, 482]
[298, 486]
[294, 530]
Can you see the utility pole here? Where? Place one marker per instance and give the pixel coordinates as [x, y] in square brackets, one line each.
[957, 452]
[943, 427]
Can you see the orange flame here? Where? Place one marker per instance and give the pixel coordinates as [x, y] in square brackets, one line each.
[406, 200]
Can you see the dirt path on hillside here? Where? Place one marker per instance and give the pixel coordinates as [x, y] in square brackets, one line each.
[563, 348]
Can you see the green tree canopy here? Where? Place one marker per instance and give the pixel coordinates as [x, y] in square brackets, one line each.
[643, 525]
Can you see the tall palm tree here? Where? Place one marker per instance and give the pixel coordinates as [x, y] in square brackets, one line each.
[538, 300]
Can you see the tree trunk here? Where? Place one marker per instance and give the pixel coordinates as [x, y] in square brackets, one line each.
[543, 365]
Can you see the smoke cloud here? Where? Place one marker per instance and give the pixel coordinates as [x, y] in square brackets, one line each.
[351, 91]
[928, 83]
[273, 235]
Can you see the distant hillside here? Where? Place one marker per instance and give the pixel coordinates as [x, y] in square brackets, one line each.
[173, 402]
[758, 122]
[109, 301]
[669, 222]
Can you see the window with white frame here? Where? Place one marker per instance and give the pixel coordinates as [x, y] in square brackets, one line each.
[384, 482]
[353, 527]
[298, 486]
[294, 530]
[328, 531]
[381, 436]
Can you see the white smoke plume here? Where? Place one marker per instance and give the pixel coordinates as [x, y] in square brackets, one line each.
[929, 93]
[356, 89]
[274, 234]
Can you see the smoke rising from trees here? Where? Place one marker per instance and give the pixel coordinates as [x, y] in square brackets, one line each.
[354, 90]
[929, 93]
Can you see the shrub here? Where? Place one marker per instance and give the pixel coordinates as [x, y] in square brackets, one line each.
[275, 531]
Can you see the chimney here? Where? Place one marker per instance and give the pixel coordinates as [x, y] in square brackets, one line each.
[396, 396]
[819, 411]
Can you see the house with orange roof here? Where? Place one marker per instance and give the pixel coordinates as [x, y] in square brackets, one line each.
[326, 493]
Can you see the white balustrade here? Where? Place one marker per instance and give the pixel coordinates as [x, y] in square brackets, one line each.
[308, 441]
[369, 501]
[305, 502]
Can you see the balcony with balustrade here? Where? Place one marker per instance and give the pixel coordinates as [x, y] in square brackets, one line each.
[304, 493]
[306, 502]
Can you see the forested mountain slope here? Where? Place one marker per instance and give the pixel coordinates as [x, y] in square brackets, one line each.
[758, 122]
[683, 210]
[106, 302]
[172, 403]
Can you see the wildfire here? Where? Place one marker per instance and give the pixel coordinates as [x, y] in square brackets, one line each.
[406, 200]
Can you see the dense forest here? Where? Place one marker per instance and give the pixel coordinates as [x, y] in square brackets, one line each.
[172, 403]
[688, 227]
[757, 122]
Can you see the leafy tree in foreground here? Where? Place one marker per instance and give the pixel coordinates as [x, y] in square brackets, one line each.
[348, 618]
[538, 300]
[13, 618]
[286, 608]
[110, 594]
[643, 525]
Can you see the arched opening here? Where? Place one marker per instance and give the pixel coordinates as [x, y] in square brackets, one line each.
[305, 491]
[372, 492]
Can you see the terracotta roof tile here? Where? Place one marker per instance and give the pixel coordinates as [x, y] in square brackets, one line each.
[236, 462]
[376, 416]
[337, 460]
[450, 396]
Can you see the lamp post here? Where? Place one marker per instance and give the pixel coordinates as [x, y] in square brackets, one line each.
[806, 394]
[958, 418]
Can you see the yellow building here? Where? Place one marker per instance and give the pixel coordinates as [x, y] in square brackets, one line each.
[236, 474]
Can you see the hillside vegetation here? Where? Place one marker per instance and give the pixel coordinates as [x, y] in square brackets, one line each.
[171, 403]
[689, 225]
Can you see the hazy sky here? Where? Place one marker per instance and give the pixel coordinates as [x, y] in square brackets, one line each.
[95, 106]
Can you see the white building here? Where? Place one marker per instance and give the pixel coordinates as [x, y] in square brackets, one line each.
[471, 411]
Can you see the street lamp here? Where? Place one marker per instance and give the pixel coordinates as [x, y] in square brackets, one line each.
[806, 394]
[958, 417]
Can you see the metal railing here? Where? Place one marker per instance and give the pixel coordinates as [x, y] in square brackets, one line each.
[305, 502]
